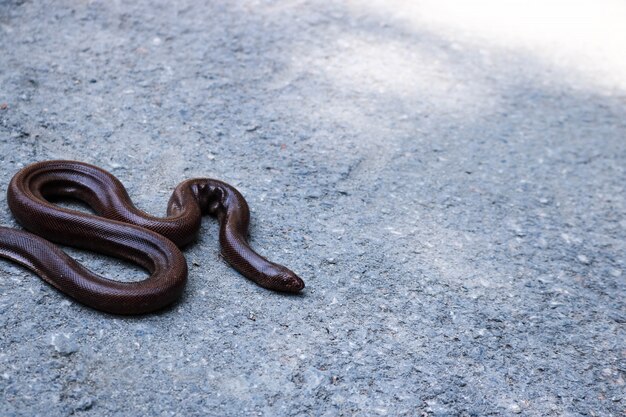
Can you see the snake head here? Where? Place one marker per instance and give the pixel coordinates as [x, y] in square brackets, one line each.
[287, 281]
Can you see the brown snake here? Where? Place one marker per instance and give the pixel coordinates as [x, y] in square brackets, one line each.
[120, 229]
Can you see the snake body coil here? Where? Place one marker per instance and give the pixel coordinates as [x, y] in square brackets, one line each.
[120, 229]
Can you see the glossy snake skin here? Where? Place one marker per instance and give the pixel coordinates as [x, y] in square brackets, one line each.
[120, 229]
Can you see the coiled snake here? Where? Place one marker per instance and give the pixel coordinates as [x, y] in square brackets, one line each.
[120, 229]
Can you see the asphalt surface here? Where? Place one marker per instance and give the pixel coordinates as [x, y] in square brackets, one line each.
[455, 204]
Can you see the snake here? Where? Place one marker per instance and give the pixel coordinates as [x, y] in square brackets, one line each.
[117, 228]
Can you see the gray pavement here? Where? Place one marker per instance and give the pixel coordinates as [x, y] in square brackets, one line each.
[456, 208]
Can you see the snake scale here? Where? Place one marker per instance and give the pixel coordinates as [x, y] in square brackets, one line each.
[121, 230]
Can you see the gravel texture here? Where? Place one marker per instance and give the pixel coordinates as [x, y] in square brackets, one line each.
[456, 206]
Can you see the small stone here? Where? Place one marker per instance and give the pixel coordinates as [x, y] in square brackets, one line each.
[84, 404]
[315, 193]
[64, 344]
[515, 408]
[583, 259]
